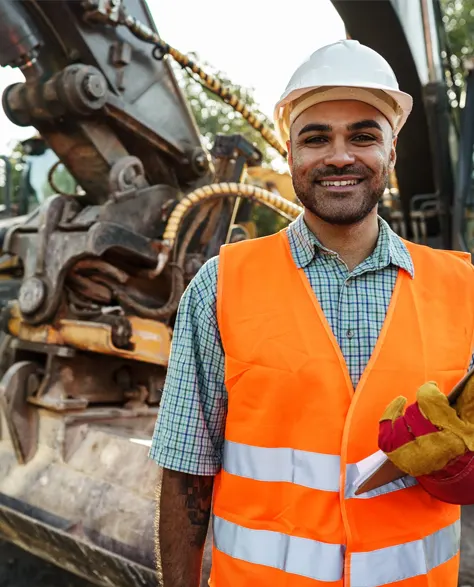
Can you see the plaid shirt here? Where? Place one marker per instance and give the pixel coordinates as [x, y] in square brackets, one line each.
[189, 431]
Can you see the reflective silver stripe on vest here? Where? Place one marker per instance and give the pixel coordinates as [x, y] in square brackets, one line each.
[397, 563]
[309, 469]
[352, 473]
[300, 556]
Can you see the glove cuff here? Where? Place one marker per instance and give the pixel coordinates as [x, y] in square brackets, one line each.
[454, 483]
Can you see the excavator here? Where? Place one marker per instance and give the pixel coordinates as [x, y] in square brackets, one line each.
[21, 197]
[86, 338]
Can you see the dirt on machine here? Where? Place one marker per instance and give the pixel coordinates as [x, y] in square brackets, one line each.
[97, 272]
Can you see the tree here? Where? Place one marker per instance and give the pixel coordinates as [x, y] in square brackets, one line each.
[31, 161]
[214, 116]
[458, 21]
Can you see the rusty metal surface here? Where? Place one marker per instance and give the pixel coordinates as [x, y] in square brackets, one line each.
[102, 132]
[102, 567]
[65, 379]
[150, 341]
[18, 383]
[86, 500]
[127, 175]
[74, 77]
[18, 566]
[61, 233]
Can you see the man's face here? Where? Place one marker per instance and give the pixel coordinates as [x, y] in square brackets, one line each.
[340, 156]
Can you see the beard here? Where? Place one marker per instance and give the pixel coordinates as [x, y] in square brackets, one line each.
[347, 206]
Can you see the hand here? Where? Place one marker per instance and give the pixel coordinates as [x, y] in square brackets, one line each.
[430, 434]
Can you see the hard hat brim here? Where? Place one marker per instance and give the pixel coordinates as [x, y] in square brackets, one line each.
[281, 111]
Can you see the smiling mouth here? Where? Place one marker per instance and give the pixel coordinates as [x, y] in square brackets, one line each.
[339, 183]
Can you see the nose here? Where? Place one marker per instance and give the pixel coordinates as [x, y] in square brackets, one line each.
[339, 154]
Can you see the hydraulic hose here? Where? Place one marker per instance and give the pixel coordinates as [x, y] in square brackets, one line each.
[145, 33]
[205, 194]
[81, 283]
[215, 86]
[219, 190]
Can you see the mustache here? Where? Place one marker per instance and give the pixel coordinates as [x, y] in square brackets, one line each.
[319, 173]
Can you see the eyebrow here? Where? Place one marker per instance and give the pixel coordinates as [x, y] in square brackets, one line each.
[313, 126]
[369, 123]
[362, 124]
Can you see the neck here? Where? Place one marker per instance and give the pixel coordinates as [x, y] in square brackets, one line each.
[353, 243]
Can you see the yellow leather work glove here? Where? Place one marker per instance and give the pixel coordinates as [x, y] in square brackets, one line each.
[430, 433]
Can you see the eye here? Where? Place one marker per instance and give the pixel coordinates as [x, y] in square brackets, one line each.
[364, 138]
[315, 139]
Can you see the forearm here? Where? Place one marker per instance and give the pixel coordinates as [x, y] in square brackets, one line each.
[182, 524]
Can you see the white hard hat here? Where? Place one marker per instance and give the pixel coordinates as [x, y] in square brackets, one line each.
[345, 70]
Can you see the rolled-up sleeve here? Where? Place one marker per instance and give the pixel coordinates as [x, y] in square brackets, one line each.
[189, 430]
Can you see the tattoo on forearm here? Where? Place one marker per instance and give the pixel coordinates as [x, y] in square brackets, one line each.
[181, 531]
[197, 491]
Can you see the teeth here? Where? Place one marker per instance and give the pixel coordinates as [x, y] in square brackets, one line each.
[340, 183]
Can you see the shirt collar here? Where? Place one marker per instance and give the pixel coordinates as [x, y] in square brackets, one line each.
[390, 248]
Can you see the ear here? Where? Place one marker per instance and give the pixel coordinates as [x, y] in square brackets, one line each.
[393, 153]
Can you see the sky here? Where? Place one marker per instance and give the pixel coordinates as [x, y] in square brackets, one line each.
[256, 44]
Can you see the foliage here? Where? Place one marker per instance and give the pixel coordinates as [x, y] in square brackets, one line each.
[458, 20]
[267, 221]
[214, 116]
[16, 162]
[24, 196]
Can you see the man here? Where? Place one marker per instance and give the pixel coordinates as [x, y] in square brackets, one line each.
[288, 349]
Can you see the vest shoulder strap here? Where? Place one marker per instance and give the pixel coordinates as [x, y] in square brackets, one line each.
[440, 263]
[246, 264]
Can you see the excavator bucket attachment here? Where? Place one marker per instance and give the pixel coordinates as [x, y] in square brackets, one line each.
[85, 501]
[77, 486]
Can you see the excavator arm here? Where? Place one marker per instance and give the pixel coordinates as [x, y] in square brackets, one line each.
[98, 93]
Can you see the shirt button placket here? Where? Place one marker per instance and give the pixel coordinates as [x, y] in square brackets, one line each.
[346, 319]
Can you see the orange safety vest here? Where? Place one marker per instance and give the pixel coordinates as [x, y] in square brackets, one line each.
[284, 509]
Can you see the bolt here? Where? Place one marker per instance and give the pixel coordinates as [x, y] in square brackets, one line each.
[94, 86]
[31, 295]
